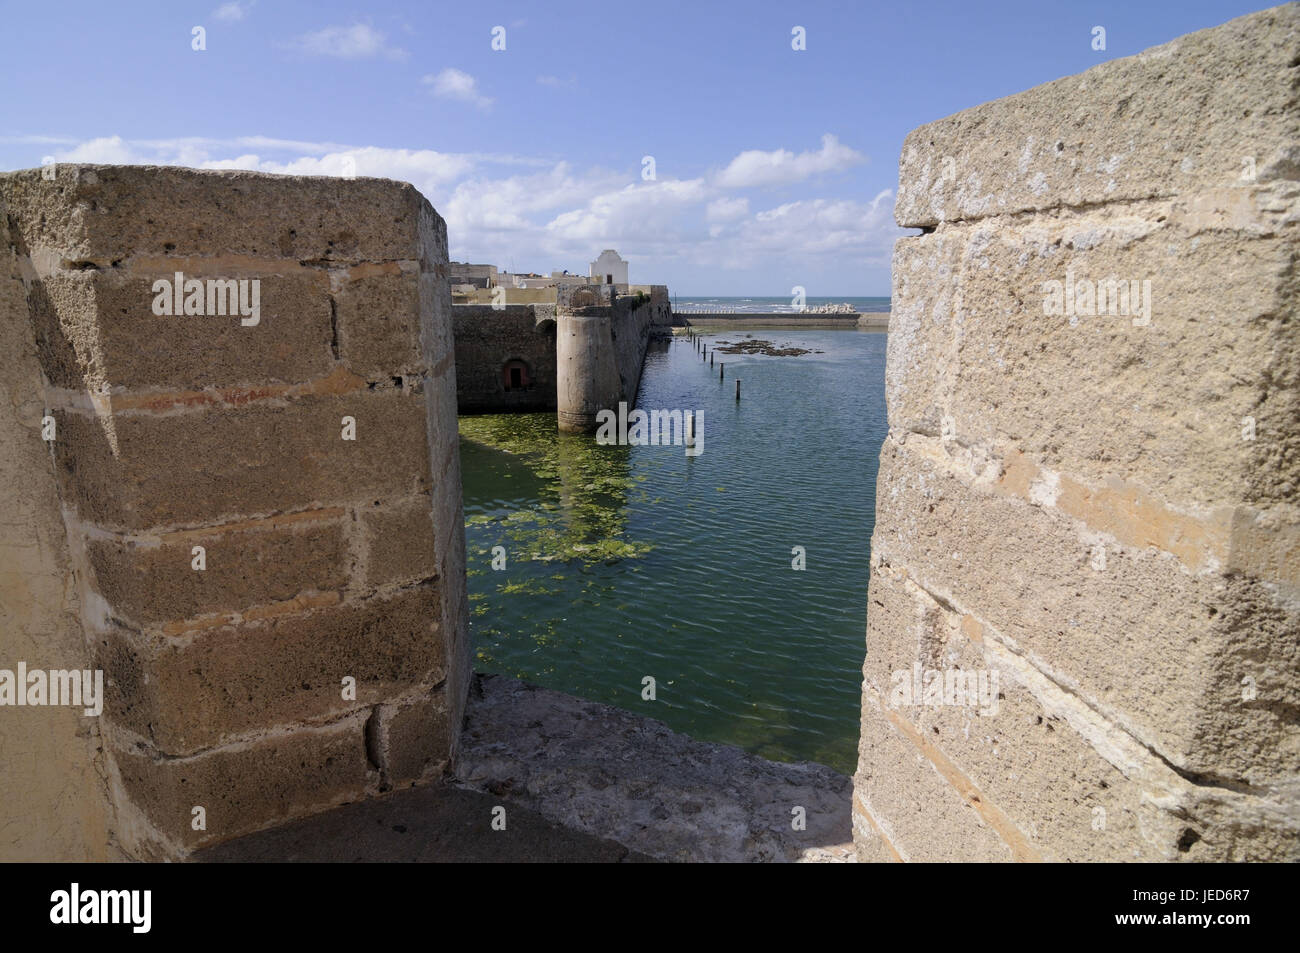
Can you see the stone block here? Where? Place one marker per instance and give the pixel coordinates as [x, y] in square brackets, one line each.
[1161, 650]
[1075, 786]
[246, 564]
[262, 457]
[210, 686]
[399, 541]
[411, 738]
[244, 788]
[1163, 403]
[379, 316]
[919, 811]
[97, 328]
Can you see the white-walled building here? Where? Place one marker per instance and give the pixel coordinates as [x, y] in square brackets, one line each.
[609, 268]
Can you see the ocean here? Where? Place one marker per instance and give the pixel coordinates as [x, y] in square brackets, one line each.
[773, 304]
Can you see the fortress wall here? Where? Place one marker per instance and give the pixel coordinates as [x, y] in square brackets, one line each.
[486, 339]
[324, 558]
[1101, 510]
[631, 333]
[581, 358]
[600, 349]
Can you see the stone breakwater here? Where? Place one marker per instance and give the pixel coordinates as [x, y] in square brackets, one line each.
[757, 346]
[791, 319]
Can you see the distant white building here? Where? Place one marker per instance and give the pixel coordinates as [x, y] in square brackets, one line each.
[609, 268]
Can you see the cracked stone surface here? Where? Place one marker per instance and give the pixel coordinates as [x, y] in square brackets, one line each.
[621, 776]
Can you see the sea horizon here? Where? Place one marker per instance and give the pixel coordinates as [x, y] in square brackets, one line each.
[768, 304]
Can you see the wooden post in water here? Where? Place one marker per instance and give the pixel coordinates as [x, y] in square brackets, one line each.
[722, 369]
[737, 390]
[710, 360]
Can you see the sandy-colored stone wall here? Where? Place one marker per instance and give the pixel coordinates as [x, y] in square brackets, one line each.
[1096, 504]
[256, 512]
[53, 796]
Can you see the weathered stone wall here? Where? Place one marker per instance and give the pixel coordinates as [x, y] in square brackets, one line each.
[53, 799]
[600, 344]
[325, 558]
[633, 318]
[1099, 509]
[486, 339]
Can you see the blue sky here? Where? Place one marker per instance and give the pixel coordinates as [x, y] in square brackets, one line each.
[773, 167]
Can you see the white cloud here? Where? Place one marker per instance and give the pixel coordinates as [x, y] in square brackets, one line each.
[456, 84]
[727, 210]
[429, 171]
[782, 167]
[539, 213]
[233, 11]
[823, 227]
[109, 150]
[355, 42]
[490, 207]
[643, 212]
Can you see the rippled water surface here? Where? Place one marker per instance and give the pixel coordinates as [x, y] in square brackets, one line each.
[626, 562]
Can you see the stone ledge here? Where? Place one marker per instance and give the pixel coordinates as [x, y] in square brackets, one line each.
[618, 775]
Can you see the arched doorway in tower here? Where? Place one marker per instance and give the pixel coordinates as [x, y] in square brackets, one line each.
[515, 375]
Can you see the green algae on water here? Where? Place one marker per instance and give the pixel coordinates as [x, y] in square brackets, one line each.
[584, 491]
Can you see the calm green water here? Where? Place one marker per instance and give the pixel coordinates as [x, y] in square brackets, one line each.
[623, 562]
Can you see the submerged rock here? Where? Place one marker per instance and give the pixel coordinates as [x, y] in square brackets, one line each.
[758, 346]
